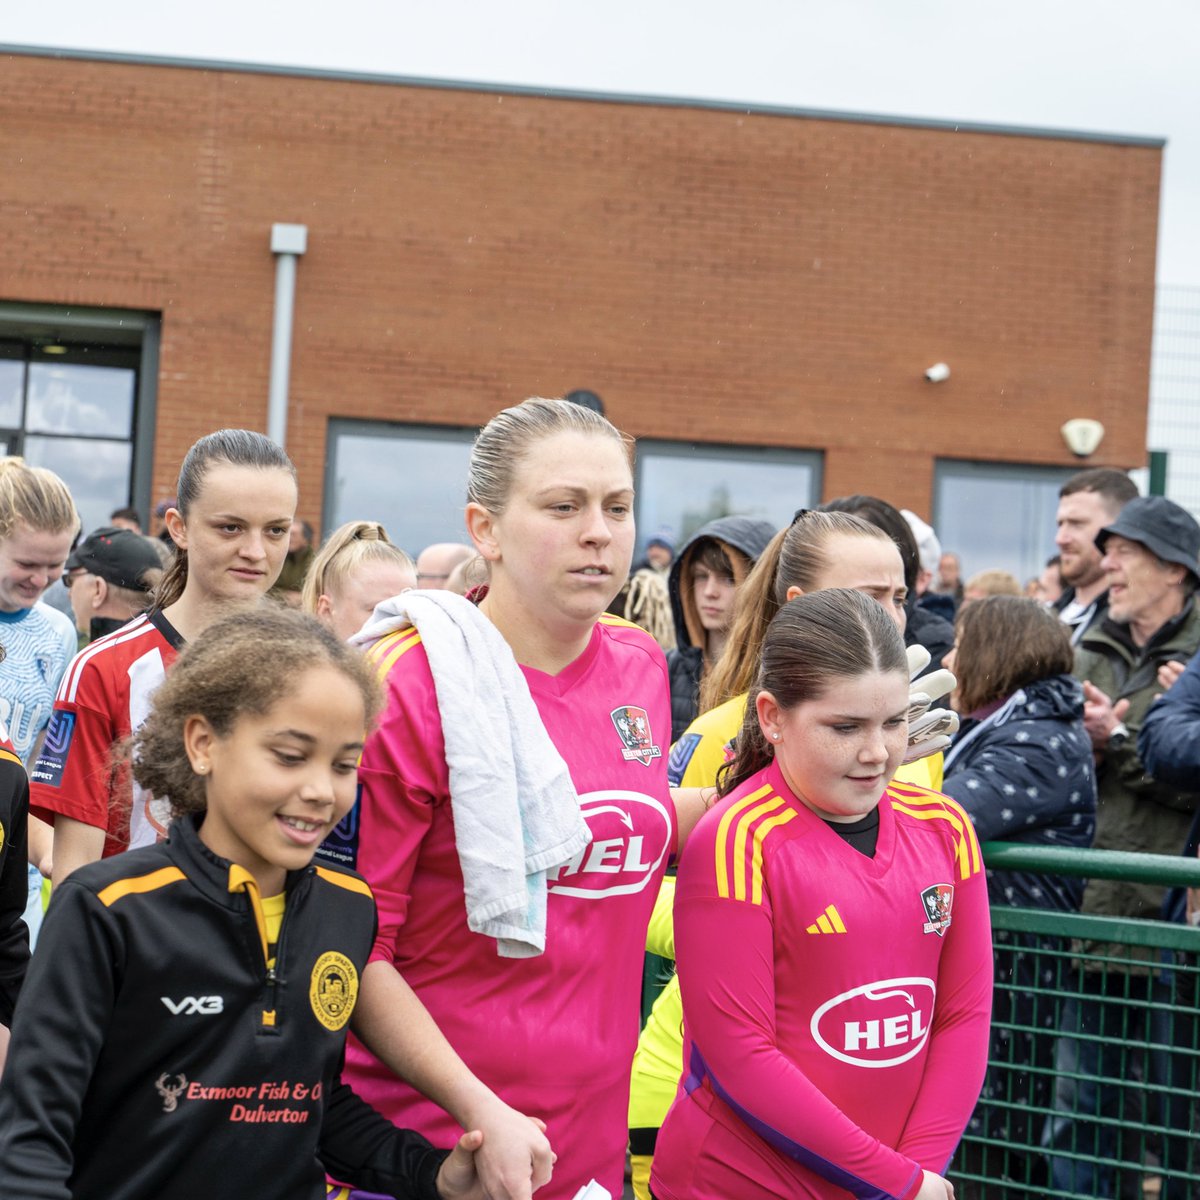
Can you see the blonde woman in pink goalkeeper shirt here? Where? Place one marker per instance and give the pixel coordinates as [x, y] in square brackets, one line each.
[550, 507]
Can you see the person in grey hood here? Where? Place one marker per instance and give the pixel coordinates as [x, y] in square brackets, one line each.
[703, 582]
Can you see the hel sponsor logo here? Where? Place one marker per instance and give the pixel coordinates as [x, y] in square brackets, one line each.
[333, 989]
[631, 834]
[170, 1092]
[633, 724]
[194, 1006]
[877, 1025]
[52, 761]
[937, 900]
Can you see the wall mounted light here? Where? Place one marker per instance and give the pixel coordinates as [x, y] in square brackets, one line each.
[1082, 436]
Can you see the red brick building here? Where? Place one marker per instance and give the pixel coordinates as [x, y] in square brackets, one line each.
[724, 278]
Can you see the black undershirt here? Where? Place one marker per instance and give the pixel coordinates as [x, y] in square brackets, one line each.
[862, 834]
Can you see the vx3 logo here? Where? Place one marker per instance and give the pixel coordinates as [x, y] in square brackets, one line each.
[202, 1006]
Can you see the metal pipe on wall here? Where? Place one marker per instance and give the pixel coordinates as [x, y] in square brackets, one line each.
[288, 242]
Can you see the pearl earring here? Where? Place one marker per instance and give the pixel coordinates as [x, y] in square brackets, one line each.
[775, 736]
[200, 770]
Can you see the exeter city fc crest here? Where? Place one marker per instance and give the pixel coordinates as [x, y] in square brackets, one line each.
[937, 901]
[634, 727]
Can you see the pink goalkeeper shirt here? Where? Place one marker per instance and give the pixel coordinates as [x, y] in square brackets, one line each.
[553, 1035]
[836, 1006]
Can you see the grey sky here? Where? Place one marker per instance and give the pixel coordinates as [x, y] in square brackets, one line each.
[1095, 65]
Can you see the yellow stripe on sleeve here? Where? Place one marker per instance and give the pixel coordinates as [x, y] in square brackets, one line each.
[966, 848]
[139, 884]
[760, 836]
[349, 882]
[386, 652]
[723, 837]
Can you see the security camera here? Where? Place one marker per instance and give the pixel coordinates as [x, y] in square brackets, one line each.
[938, 373]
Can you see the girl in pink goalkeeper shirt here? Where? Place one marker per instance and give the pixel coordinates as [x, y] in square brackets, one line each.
[832, 937]
[550, 508]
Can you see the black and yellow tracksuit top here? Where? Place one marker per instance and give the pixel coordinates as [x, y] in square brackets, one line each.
[14, 878]
[156, 1054]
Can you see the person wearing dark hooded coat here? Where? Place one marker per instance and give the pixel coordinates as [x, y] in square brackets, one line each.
[1022, 769]
[703, 581]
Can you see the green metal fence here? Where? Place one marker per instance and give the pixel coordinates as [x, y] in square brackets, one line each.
[1094, 1069]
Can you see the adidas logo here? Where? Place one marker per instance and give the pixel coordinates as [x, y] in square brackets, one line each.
[830, 921]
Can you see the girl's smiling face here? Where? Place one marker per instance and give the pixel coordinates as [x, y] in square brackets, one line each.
[279, 781]
[838, 752]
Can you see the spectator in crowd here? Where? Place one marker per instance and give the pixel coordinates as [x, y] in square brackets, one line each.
[644, 600]
[795, 893]
[1149, 555]
[436, 563]
[1021, 767]
[160, 516]
[356, 568]
[703, 584]
[660, 553]
[949, 576]
[111, 575]
[1049, 586]
[38, 524]
[473, 573]
[1087, 502]
[922, 627]
[300, 554]
[237, 497]
[126, 518]
[929, 555]
[990, 583]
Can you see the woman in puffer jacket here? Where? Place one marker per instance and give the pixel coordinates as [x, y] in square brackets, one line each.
[1022, 768]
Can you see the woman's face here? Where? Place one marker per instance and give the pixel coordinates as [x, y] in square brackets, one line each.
[30, 561]
[839, 752]
[562, 546]
[865, 564]
[236, 531]
[347, 607]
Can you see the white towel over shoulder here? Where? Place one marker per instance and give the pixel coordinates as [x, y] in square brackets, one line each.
[516, 811]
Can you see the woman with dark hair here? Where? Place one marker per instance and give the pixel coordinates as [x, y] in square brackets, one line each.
[236, 498]
[1022, 768]
[827, 920]
[923, 627]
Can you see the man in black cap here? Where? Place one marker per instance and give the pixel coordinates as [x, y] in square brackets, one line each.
[1149, 555]
[110, 574]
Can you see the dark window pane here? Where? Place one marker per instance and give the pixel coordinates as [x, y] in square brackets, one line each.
[97, 472]
[414, 481]
[12, 379]
[681, 487]
[996, 515]
[71, 398]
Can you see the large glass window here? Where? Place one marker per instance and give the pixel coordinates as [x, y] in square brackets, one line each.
[997, 514]
[681, 486]
[77, 396]
[412, 478]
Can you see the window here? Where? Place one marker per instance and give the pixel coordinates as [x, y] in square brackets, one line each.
[681, 486]
[412, 478]
[76, 396]
[997, 514]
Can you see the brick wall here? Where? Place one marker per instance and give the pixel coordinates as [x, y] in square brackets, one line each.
[715, 275]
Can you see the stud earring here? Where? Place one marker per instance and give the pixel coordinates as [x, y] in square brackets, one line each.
[202, 768]
[775, 736]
